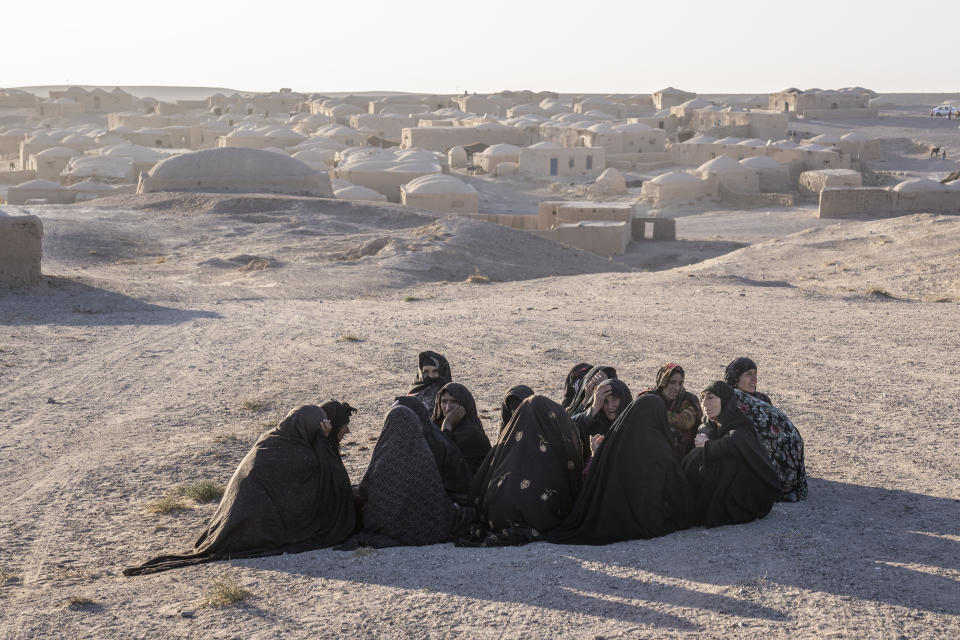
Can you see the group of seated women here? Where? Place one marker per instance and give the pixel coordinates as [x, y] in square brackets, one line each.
[601, 466]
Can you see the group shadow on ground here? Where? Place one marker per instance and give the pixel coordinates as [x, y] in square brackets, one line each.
[894, 547]
[66, 302]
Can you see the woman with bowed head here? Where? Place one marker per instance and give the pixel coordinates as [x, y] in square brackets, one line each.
[731, 474]
[455, 412]
[403, 499]
[290, 493]
[515, 395]
[528, 483]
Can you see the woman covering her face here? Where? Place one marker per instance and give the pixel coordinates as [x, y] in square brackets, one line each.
[683, 408]
[635, 488]
[610, 398]
[455, 412]
[433, 371]
[528, 483]
[730, 471]
[291, 493]
[587, 385]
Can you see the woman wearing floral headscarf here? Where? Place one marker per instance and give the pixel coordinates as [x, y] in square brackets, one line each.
[683, 408]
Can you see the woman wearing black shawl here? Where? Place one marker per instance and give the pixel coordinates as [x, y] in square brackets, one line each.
[572, 384]
[404, 502]
[433, 371]
[515, 395]
[742, 374]
[610, 399]
[527, 484]
[683, 408]
[455, 412]
[635, 488]
[291, 493]
[585, 387]
[730, 472]
[454, 471]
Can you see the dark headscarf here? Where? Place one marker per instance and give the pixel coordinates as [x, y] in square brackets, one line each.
[572, 384]
[515, 395]
[621, 390]
[580, 400]
[468, 434]
[404, 499]
[426, 388]
[453, 469]
[736, 369]
[528, 483]
[635, 488]
[434, 359]
[724, 391]
[339, 415]
[290, 493]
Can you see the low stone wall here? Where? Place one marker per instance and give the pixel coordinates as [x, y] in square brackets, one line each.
[812, 183]
[21, 245]
[844, 202]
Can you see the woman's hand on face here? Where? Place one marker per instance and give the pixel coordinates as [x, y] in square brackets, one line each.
[326, 427]
[700, 440]
[453, 418]
[595, 441]
[599, 397]
[591, 384]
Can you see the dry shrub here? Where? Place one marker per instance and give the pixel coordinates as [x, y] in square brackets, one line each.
[256, 265]
[224, 591]
[202, 491]
[254, 405]
[877, 292]
[80, 603]
[349, 337]
[167, 504]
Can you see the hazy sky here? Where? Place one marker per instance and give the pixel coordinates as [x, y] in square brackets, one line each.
[743, 46]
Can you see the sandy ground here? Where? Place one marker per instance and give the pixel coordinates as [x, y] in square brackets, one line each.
[126, 373]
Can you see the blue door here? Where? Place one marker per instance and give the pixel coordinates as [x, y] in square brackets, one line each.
[553, 166]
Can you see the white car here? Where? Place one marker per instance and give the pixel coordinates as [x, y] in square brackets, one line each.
[943, 110]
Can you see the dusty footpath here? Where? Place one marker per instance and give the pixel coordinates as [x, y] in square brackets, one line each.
[169, 333]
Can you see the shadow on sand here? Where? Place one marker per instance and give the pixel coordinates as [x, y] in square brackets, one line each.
[894, 547]
[66, 302]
